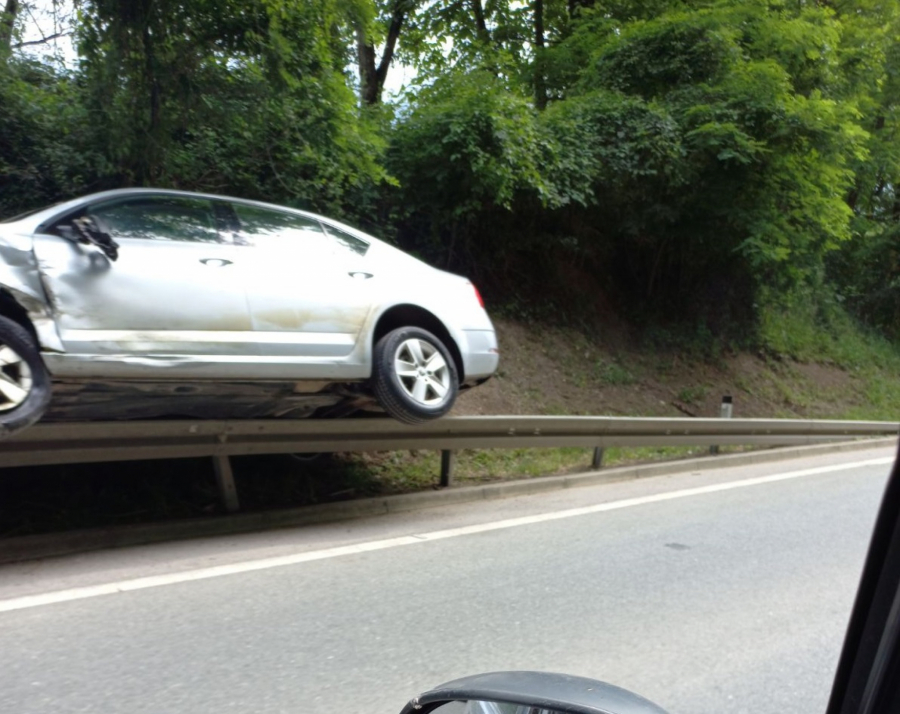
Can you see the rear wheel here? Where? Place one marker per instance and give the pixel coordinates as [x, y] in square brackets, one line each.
[24, 381]
[414, 376]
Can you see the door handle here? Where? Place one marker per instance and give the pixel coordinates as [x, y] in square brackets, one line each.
[215, 262]
[359, 275]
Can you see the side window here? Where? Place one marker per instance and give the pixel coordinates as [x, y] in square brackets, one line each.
[266, 228]
[345, 240]
[164, 218]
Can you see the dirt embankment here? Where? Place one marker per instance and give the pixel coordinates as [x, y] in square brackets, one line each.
[563, 371]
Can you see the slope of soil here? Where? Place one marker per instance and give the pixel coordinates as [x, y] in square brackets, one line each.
[562, 371]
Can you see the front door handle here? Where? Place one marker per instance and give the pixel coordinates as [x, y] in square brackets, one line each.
[215, 262]
[359, 275]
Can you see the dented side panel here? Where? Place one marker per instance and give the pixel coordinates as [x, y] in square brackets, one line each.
[19, 277]
[158, 297]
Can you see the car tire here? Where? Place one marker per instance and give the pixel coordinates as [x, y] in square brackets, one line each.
[24, 380]
[414, 375]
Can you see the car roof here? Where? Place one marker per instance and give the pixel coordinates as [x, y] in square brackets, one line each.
[35, 220]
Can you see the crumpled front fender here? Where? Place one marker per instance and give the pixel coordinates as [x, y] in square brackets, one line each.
[21, 279]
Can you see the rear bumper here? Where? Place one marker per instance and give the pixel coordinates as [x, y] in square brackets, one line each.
[481, 355]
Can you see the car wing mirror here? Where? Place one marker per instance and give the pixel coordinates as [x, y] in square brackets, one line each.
[87, 231]
[529, 693]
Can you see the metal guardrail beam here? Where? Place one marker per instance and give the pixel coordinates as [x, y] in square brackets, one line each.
[55, 443]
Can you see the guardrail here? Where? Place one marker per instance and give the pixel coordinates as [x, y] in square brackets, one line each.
[57, 443]
[130, 440]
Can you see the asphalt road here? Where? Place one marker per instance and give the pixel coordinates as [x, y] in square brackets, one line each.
[724, 592]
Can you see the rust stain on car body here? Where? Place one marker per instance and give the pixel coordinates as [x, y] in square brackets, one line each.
[326, 319]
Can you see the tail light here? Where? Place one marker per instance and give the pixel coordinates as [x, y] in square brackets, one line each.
[477, 295]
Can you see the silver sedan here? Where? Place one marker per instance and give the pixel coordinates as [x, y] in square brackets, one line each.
[139, 303]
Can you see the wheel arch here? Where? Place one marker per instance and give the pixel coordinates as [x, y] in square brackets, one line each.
[11, 308]
[407, 315]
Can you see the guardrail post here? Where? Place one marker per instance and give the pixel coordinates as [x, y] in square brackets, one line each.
[225, 481]
[597, 461]
[725, 411]
[448, 460]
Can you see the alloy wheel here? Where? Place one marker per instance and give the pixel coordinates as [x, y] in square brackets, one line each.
[15, 379]
[423, 372]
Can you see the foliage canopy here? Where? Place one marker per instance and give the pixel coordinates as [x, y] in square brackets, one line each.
[694, 158]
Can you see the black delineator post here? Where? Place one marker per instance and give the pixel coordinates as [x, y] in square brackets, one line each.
[448, 458]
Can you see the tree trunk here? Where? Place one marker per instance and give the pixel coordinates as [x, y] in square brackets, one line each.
[480, 22]
[7, 21]
[372, 78]
[148, 162]
[368, 82]
[540, 85]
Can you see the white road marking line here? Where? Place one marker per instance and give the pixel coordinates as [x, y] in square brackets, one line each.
[154, 581]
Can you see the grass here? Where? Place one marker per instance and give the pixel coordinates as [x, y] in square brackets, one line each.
[392, 472]
[810, 329]
[615, 374]
[813, 328]
[692, 395]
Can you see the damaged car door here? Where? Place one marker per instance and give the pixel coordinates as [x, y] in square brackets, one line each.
[174, 288]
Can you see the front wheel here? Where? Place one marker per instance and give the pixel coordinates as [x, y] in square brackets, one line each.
[414, 376]
[24, 381]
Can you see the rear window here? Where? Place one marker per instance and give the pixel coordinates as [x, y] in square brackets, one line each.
[344, 239]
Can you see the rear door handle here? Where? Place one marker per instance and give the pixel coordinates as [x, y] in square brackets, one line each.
[359, 275]
[215, 262]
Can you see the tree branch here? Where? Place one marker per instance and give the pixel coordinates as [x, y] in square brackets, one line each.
[390, 44]
[43, 40]
[372, 78]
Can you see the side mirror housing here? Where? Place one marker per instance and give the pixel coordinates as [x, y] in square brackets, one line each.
[530, 691]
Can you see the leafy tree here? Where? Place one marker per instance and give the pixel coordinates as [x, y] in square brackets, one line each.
[45, 147]
[708, 144]
[867, 269]
[250, 97]
[468, 147]
[692, 155]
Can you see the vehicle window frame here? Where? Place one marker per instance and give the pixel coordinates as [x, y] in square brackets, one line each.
[244, 238]
[88, 210]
